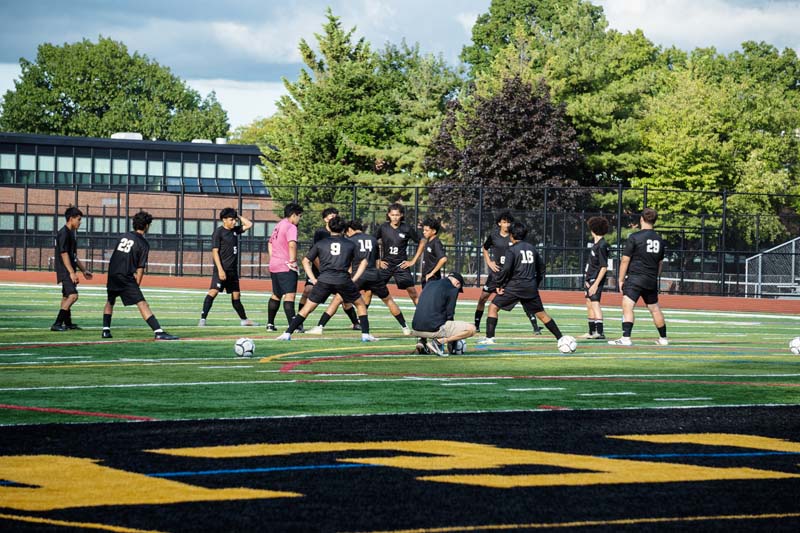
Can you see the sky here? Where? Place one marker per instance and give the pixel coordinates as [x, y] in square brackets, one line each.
[241, 49]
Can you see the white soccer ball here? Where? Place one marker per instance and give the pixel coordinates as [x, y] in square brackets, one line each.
[567, 344]
[244, 347]
[794, 346]
[457, 347]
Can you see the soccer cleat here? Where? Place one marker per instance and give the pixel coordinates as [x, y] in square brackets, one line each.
[422, 349]
[357, 327]
[58, 327]
[270, 327]
[247, 322]
[486, 340]
[106, 334]
[537, 331]
[73, 326]
[366, 337]
[406, 330]
[164, 336]
[316, 330]
[662, 341]
[301, 329]
[201, 323]
[284, 337]
[599, 336]
[435, 347]
[588, 336]
[622, 341]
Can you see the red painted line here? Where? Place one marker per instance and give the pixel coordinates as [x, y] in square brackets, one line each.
[73, 412]
[289, 367]
[554, 408]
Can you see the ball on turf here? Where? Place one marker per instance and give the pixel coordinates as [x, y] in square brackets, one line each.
[244, 347]
[794, 346]
[457, 347]
[567, 344]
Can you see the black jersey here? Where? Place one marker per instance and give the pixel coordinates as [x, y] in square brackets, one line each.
[66, 242]
[523, 270]
[129, 255]
[434, 251]
[321, 233]
[366, 248]
[226, 241]
[497, 245]
[335, 256]
[598, 258]
[394, 241]
[646, 250]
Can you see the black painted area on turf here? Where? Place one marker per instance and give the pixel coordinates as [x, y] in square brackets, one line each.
[381, 498]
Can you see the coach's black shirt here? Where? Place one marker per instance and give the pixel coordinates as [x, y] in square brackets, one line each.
[598, 258]
[523, 270]
[434, 251]
[335, 256]
[497, 245]
[226, 241]
[394, 241]
[436, 305]
[366, 248]
[129, 255]
[66, 242]
[646, 250]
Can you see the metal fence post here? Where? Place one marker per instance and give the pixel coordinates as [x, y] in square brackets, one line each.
[480, 233]
[722, 240]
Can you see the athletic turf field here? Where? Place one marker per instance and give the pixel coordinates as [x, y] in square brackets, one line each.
[702, 434]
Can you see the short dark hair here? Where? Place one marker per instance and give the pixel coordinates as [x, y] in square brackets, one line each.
[432, 223]
[329, 211]
[396, 207]
[337, 224]
[649, 215]
[518, 231]
[598, 225]
[228, 212]
[141, 220]
[356, 225]
[505, 215]
[72, 212]
[292, 209]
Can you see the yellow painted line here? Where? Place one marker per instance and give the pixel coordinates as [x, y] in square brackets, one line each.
[323, 350]
[85, 525]
[594, 523]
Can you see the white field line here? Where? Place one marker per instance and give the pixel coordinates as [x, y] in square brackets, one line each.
[607, 394]
[681, 399]
[536, 389]
[466, 384]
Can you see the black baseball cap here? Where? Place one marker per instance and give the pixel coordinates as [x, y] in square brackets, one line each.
[460, 279]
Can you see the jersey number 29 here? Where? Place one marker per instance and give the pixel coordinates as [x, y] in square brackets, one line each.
[653, 246]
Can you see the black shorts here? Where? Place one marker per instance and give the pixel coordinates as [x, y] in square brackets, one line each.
[491, 283]
[68, 287]
[231, 283]
[283, 283]
[129, 292]
[402, 276]
[597, 295]
[321, 291]
[636, 287]
[375, 285]
[531, 302]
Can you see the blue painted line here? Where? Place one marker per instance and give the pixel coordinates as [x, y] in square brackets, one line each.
[258, 470]
[671, 455]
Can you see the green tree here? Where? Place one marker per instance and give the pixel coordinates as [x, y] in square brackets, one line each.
[96, 89]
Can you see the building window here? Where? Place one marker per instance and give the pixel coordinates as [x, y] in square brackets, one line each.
[119, 169]
[207, 227]
[102, 171]
[83, 170]
[65, 169]
[27, 168]
[8, 164]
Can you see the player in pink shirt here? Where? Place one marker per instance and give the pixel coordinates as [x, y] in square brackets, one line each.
[283, 264]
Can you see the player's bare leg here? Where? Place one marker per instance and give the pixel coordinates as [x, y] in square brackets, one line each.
[660, 323]
[412, 293]
[627, 323]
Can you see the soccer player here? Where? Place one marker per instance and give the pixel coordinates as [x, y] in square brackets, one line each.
[518, 281]
[394, 236]
[595, 277]
[283, 269]
[433, 256]
[225, 253]
[125, 273]
[494, 255]
[639, 270]
[369, 283]
[434, 319]
[335, 258]
[67, 266]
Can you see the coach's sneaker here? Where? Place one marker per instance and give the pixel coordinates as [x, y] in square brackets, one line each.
[406, 331]
[316, 330]
[622, 341]
[599, 337]
[58, 327]
[270, 327]
[106, 334]
[164, 336]
[662, 341]
[247, 322]
[201, 323]
[284, 337]
[486, 340]
[366, 337]
[435, 347]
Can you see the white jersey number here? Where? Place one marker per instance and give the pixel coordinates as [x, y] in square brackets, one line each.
[366, 246]
[653, 247]
[336, 248]
[125, 245]
[527, 256]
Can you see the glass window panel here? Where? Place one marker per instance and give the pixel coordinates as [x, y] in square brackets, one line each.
[120, 166]
[45, 223]
[45, 177]
[26, 176]
[6, 222]
[259, 229]
[242, 172]
[173, 184]
[138, 168]
[27, 162]
[47, 163]
[174, 169]
[190, 227]
[102, 166]
[64, 178]
[8, 161]
[255, 174]
[244, 185]
[154, 183]
[155, 168]
[156, 227]
[29, 225]
[83, 164]
[6, 176]
[225, 171]
[207, 227]
[259, 188]
[190, 170]
[209, 185]
[226, 186]
[207, 170]
[171, 227]
[191, 185]
[65, 164]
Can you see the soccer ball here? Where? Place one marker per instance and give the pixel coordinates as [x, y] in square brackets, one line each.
[567, 344]
[244, 347]
[794, 346]
[457, 347]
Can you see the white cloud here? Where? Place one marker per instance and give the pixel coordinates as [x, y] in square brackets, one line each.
[244, 101]
[8, 73]
[467, 21]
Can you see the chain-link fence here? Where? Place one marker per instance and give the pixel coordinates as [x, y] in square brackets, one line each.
[775, 272]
